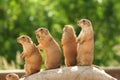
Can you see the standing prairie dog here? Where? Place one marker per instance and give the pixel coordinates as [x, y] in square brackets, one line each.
[85, 43]
[12, 76]
[51, 48]
[69, 45]
[33, 58]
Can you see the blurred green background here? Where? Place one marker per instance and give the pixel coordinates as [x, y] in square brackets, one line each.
[19, 17]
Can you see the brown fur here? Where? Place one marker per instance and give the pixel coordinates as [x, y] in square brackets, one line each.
[12, 76]
[69, 45]
[85, 43]
[51, 48]
[33, 58]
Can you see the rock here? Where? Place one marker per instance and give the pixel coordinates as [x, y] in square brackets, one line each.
[72, 73]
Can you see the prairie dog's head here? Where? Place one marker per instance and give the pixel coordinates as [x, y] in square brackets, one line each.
[84, 23]
[68, 28]
[41, 33]
[23, 39]
[12, 76]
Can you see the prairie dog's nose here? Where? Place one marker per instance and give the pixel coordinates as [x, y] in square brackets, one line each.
[37, 35]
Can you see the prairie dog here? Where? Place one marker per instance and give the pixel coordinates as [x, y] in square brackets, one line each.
[51, 48]
[69, 45]
[33, 58]
[12, 76]
[85, 43]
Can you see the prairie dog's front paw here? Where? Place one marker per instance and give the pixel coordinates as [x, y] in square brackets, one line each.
[78, 40]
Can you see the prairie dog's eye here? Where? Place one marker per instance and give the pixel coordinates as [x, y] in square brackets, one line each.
[83, 20]
[23, 37]
[9, 75]
[41, 29]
